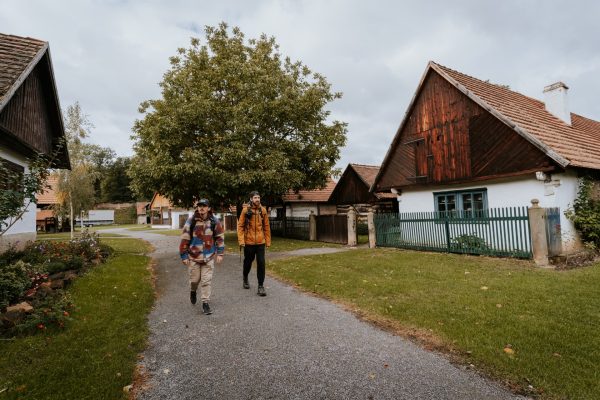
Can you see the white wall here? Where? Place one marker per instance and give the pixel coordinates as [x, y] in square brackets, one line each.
[27, 224]
[560, 192]
[175, 217]
[300, 210]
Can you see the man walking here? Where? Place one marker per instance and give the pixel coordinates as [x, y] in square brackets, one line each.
[254, 233]
[202, 240]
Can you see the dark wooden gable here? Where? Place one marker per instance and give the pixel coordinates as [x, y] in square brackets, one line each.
[26, 116]
[351, 189]
[448, 138]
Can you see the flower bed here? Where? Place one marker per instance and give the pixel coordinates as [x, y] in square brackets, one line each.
[32, 281]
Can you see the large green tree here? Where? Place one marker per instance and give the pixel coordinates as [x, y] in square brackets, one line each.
[235, 115]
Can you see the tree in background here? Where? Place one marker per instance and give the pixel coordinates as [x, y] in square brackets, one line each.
[115, 183]
[75, 188]
[102, 158]
[235, 116]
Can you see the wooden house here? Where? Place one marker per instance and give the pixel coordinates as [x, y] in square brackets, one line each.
[164, 214]
[303, 202]
[30, 117]
[468, 144]
[352, 190]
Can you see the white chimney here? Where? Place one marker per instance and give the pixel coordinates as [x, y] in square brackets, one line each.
[555, 97]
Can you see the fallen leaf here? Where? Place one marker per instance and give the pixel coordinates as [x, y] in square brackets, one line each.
[484, 288]
[385, 365]
[556, 354]
[372, 375]
[499, 305]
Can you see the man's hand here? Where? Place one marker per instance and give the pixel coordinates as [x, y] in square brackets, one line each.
[219, 258]
[186, 261]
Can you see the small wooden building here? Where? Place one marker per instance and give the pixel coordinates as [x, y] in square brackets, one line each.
[352, 190]
[30, 117]
[303, 202]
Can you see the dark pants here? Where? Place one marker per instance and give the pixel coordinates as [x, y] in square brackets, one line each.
[258, 251]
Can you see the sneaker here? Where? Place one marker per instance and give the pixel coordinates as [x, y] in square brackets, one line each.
[193, 297]
[261, 291]
[246, 284]
[206, 309]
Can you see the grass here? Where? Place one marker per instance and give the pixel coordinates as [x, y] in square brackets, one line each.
[278, 243]
[474, 307]
[95, 355]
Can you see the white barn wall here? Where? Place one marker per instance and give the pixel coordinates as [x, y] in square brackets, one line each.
[560, 192]
[24, 229]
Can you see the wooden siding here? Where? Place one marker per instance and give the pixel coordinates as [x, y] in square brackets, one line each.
[351, 190]
[448, 138]
[26, 114]
[497, 150]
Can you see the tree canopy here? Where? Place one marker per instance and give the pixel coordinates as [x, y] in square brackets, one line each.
[235, 116]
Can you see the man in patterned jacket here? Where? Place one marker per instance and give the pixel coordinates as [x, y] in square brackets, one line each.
[202, 241]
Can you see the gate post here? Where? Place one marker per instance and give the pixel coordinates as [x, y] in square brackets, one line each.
[312, 226]
[537, 225]
[351, 228]
[371, 226]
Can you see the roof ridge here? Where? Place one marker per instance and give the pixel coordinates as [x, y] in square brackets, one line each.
[366, 165]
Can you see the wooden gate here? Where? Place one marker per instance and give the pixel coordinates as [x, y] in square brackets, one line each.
[332, 228]
[553, 233]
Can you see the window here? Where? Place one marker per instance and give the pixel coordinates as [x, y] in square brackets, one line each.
[11, 175]
[471, 202]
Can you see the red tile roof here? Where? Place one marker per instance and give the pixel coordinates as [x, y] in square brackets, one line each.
[311, 196]
[17, 56]
[577, 144]
[48, 196]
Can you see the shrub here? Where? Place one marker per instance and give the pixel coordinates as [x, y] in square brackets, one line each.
[52, 311]
[469, 242]
[14, 280]
[585, 213]
[55, 266]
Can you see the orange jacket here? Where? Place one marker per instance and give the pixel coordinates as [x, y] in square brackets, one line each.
[256, 229]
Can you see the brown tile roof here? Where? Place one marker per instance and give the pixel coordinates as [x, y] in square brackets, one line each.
[368, 173]
[311, 196]
[140, 206]
[576, 145]
[48, 196]
[17, 56]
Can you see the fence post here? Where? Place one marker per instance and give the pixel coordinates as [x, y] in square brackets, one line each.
[371, 226]
[351, 228]
[312, 226]
[537, 225]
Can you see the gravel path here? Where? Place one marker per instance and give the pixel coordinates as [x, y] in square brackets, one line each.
[287, 345]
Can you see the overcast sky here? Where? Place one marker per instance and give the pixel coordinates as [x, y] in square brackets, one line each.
[110, 55]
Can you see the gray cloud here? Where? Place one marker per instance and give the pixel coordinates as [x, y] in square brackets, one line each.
[110, 55]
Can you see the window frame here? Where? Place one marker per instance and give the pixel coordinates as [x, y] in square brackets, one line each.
[459, 203]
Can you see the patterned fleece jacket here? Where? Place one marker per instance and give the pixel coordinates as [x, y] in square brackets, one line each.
[207, 238]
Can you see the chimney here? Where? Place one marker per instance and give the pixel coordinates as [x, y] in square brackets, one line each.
[555, 97]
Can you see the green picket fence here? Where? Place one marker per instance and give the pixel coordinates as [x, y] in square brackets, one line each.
[496, 231]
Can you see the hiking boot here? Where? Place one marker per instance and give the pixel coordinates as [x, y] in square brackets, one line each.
[246, 284]
[206, 309]
[193, 297]
[261, 291]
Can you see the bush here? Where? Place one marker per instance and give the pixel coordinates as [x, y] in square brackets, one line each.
[14, 280]
[585, 213]
[126, 215]
[362, 228]
[52, 311]
[55, 266]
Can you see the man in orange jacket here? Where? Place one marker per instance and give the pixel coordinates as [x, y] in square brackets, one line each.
[254, 233]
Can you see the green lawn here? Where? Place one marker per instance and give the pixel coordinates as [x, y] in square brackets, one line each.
[95, 355]
[474, 308]
[278, 243]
